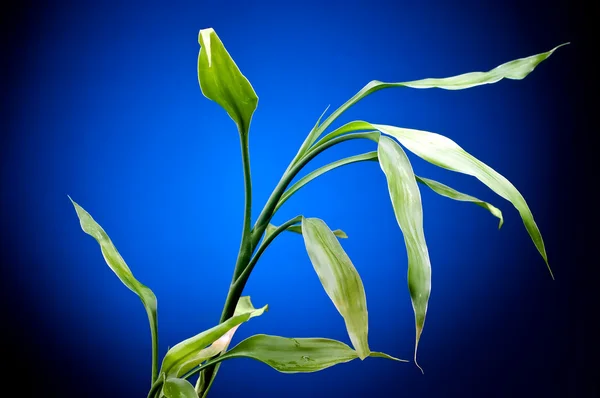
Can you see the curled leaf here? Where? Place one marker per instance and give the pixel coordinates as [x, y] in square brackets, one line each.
[221, 80]
[340, 280]
[193, 351]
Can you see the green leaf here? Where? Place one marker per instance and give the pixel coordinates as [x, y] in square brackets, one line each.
[178, 388]
[298, 229]
[269, 230]
[350, 127]
[515, 70]
[443, 152]
[406, 201]
[370, 156]
[339, 279]
[437, 187]
[221, 81]
[296, 355]
[193, 351]
[120, 268]
[451, 193]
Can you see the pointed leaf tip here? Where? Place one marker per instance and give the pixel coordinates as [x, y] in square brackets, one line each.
[296, 355]
[189, 353]
[340, 279]
[451, 193]
[406, 202]
[118, 265]
[445, 153]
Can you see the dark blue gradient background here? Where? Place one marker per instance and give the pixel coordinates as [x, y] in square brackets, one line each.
[101, 102]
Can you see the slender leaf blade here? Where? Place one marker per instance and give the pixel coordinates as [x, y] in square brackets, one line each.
[178, 388]
[118, 265]
[296, 355]
[515, 70]
[443, 152]
[369, 156]
[221, 80]
[191, 352]
[340, 280]
[406, 201]
[451, 193]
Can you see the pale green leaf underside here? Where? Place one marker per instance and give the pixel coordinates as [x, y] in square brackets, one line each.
[515, 70]
[221, 80]
[178, 388]
[121, 269]
[296, 355]
[193, 351]
[340, 280]
[443, 152]
[451, 193]
[406, 201]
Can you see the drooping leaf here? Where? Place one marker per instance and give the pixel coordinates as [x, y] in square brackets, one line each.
[121, 269]
[515, 70]
[221, 80]
[437, 187]
[451, 193]
[370, 156]
[339, 279]
[178, 388]
[191, 352]
[443, 152]
[406, 201]
[296, 355]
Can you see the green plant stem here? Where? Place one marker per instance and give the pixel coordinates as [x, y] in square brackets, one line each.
[269, 210]
[369, 156]
[245, 252]
[246, 232]
[250, 238]
[263, 246]
[154, 389]
[154, 333]
[204, 366]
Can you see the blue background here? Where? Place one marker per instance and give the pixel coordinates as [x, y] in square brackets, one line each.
[102, 103]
